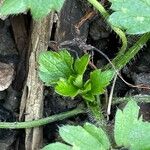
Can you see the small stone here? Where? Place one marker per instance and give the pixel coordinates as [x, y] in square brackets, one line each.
[6, 75]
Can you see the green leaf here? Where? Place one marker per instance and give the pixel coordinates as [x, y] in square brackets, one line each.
[66, 87]
[42, 8]
[53, 66]
[81, 64]
[86, 87]
[97, 84]
[134, 16]
[78, 81]
[80, 138]
[99, 134]
[13, 7]
[49, 79]
[57, 146]
[88, 97]
[100, 80]
[130, 131]
[39, 9]
[67, 58]
[85, 92]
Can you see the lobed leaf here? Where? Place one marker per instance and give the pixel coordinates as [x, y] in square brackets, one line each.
[88, 97]
[131, 15]
[66, 87]
[81, 138]
[80, 64]
[99, 134]
[39, 9]
[53, 66]
[130, 131]
[86, 87]
[100, 80]
[13, 7]
[78, 81]
[96, 84]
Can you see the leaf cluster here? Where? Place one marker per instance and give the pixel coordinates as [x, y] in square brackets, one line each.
[66, 75]
[130, 132]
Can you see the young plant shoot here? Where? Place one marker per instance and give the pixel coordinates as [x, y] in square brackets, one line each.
[66, 75]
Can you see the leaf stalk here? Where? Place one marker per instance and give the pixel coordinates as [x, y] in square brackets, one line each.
[41, 122]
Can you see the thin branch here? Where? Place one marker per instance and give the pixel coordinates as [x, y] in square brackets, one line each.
[111, 96]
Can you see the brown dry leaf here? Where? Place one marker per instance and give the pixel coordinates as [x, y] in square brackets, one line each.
[6, 75]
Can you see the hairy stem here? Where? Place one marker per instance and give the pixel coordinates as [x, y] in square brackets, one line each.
[40, 122]
[122, 59]
[118, 31]
[137, 98]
